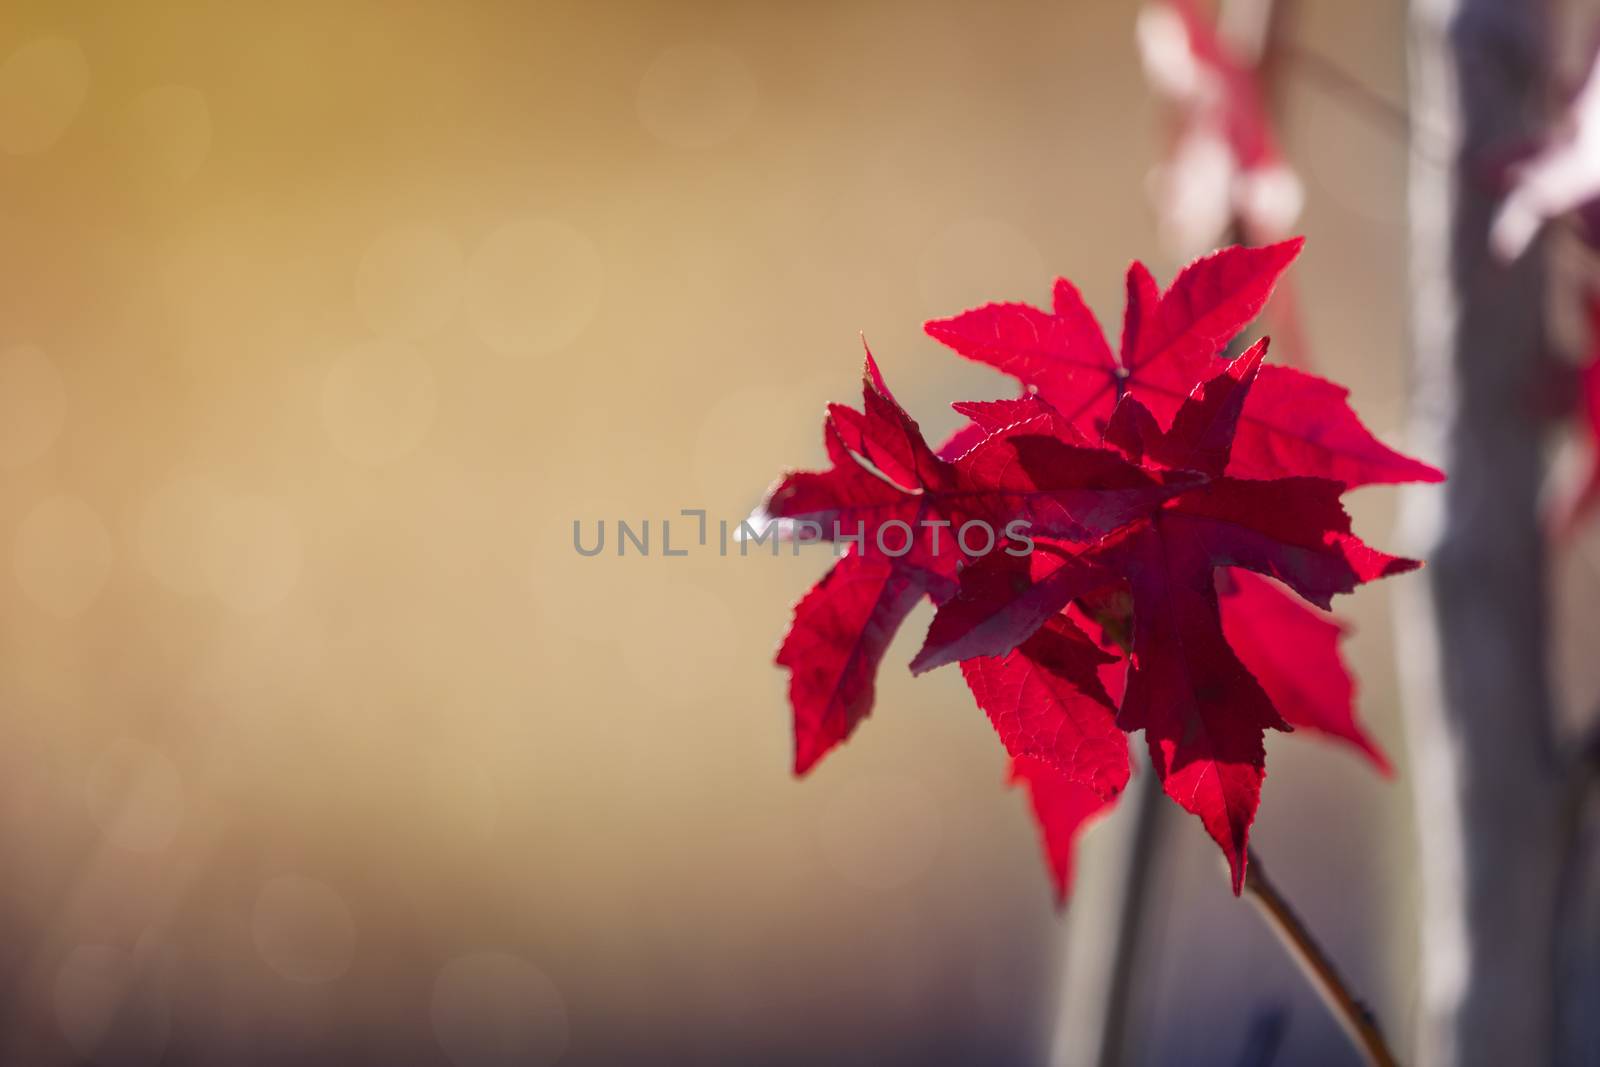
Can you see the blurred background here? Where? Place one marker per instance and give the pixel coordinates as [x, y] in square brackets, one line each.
[320, 326]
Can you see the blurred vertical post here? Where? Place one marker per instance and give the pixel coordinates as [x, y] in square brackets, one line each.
[1472, 627]
[1105, 929]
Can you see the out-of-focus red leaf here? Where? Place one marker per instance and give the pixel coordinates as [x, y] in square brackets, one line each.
[1562, 175]
[1224, 168]
[1580, 502]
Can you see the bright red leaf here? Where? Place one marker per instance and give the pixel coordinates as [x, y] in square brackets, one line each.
[1061, 808]
[1293, 422]
[1045, 700]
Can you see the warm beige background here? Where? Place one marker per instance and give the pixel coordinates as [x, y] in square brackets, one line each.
[320, 324]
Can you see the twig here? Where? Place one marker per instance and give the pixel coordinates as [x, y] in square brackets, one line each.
[1352, 1014]
[1341, 83]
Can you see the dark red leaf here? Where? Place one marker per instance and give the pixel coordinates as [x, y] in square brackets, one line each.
[1003, 600]
[1293, 651]
[1292, 529]
[910, 506]
[1202, 712]
[840, 631]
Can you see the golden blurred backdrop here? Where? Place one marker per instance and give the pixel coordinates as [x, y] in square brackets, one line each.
[320, 325]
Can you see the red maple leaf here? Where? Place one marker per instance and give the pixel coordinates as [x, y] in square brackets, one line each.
[1045, 700]
[1293, 423]
[1062, 808]
[841, 630]
[1132, 513]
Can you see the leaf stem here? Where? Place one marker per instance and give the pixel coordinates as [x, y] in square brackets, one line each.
[1357, 1020]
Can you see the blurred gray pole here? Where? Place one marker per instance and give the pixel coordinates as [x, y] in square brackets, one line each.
[1472, 626]
[1106, 924]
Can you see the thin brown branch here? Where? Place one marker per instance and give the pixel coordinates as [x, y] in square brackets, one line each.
[1350, 89]
[1352, 1014]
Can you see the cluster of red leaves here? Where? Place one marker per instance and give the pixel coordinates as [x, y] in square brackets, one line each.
[1187, 538]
